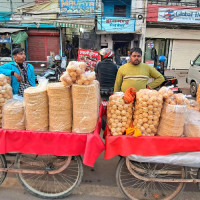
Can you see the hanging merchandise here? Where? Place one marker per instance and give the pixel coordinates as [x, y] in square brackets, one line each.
[18, 38]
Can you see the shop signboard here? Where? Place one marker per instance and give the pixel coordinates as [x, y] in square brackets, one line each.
[5, 39]
[178, 15]
[150, 45]
[150, 62]
[116, 24]
[77, 8]
[173, 14]
[90, 57]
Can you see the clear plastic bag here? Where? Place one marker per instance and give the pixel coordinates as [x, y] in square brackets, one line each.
[86, 78]
[188, 159]
[75, 73]
[192, 123]
[166, 92]
[172, 120]
[198, 95]
[147, 111]
[66, 79]
[13, 115]
[193, 105]
[5, 93]
[119, 114]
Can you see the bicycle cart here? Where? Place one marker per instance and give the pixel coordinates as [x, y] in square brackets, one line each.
[153, 167]
[48, 164]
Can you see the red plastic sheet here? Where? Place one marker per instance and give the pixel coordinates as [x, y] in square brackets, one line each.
[148, 145]
[56, 143]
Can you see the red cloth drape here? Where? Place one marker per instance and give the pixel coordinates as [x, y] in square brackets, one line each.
[148, 145]
[56, 143]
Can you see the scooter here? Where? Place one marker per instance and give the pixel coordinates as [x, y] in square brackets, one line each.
[169, 80]
[52, 74]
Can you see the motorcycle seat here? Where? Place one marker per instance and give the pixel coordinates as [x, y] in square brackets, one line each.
[169, 77]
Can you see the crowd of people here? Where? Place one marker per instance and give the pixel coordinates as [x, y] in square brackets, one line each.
[133, 73]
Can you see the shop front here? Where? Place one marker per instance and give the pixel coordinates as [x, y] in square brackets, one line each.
[178, 39]
[117, 32]
[154, 48]
[10, 38]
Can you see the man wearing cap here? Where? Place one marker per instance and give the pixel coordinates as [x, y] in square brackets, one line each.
[22, 74]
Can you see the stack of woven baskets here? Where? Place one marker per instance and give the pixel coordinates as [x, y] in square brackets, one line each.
[60, 107]
[36, 109]
[85, 107]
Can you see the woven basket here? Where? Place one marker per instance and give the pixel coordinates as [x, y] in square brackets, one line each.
[85, 108]
[36, 109]
[60, 107]
[13, 115]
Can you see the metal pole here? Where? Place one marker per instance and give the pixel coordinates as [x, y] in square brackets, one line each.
[60, 49]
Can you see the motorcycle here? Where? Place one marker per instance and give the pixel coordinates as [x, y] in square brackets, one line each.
[105, 93]
[169, 80]
[54, 72]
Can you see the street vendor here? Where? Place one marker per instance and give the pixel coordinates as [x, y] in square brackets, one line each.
[22, 74]
[136, 74]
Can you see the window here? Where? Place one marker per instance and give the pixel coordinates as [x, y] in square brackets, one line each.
[197, 61]
[120, 11]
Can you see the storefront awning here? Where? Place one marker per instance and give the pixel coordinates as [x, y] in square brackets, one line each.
[69, 25]
[9, 30]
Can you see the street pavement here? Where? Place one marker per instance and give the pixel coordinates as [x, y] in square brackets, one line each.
[98, 183]
[181, 76]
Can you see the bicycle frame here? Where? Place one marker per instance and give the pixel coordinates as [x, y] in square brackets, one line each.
[131, 169]
[27, 171]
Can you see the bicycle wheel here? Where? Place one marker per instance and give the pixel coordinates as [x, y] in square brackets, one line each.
[3, 164]
[137, 189]
[50, 186]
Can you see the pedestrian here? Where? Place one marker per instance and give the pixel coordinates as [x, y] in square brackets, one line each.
[117, 57]
[5, 52]
[106, 70]
[136, 74]
[22, 74]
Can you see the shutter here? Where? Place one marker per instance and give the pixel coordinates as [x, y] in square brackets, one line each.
[40, 46]
[182, 52]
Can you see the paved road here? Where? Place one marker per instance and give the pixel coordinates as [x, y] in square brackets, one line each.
[98, 184]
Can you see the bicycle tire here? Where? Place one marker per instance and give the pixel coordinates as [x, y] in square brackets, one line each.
[61, 184]
[3, 164]
[137, 189]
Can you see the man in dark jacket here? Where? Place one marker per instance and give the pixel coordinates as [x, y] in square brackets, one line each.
[117, 57]
[106, 70]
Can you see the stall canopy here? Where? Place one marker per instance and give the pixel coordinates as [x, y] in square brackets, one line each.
[69, 25]
[9, 30]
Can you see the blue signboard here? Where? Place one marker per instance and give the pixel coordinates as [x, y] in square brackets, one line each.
[5, 39]
[116, 24]
[76, 8]
[5, 16]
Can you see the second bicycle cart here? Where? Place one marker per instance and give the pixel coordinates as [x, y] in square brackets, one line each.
[142, 177]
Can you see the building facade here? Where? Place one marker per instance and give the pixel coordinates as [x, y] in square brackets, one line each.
[120, 24]
[173, 30]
